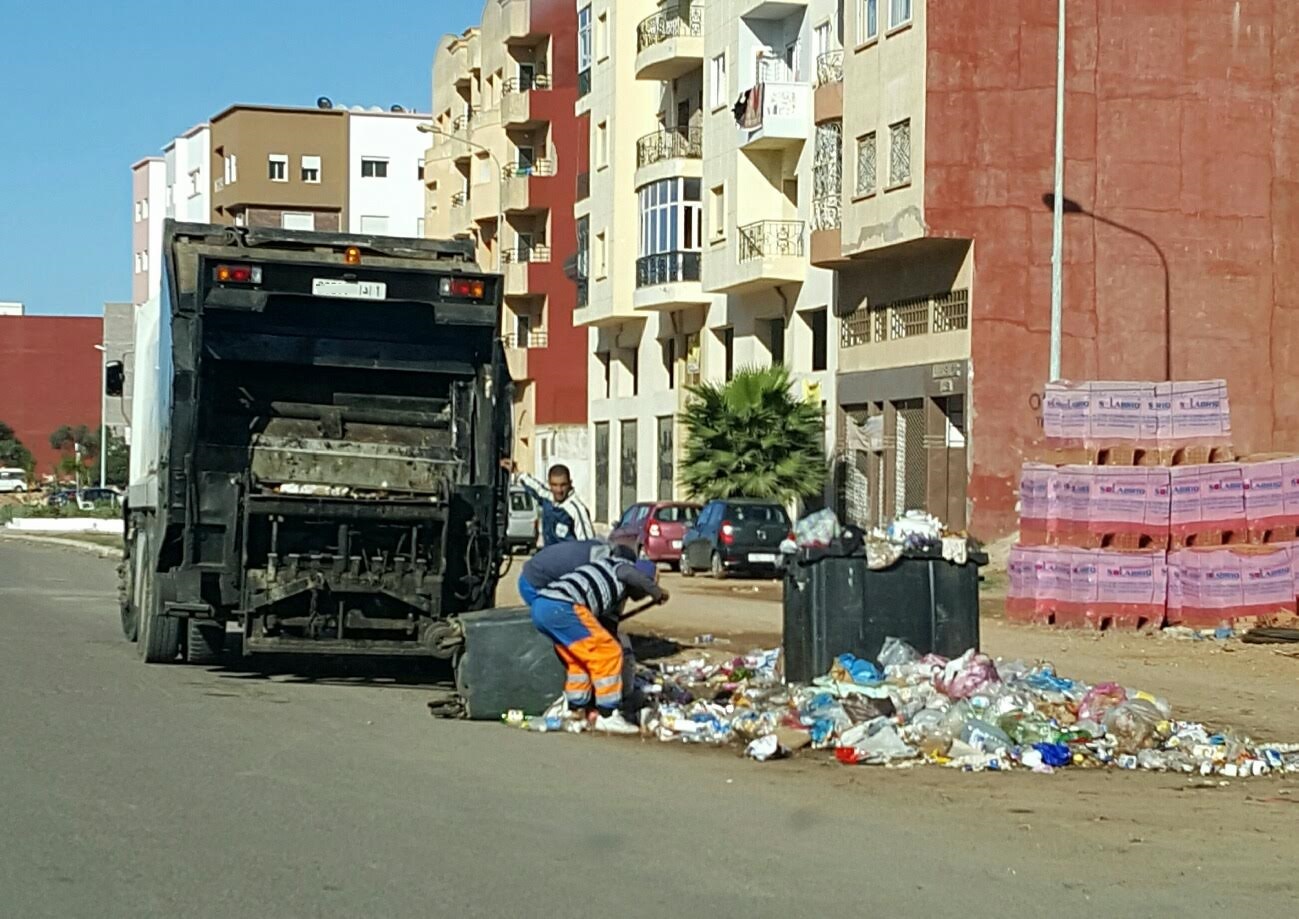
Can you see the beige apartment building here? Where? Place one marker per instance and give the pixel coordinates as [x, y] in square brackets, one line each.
[694, 243]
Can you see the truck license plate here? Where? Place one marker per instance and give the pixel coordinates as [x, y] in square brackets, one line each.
[350, 290]
[763, 557]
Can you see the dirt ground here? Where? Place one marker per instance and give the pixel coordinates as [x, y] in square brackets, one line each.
[1252, 688]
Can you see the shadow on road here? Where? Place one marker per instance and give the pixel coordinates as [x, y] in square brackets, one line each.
[338, 670]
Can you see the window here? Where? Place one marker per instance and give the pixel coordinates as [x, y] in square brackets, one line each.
[728, 352]
[144, 209]
[717, 90]
[602, 37]
[667, 474]
[419, 170]
[868, 20]
[602, 145]
[374, 168]
[138, 214]
[776, 340]
[817, 321]
[584, 39]
[821, 41]
[297, 220]
[583, 248]
[374, 225]
[139, 262]
[311, 170]
[900, 153]
[419, 227]
[231, 164]
[277, 167]
[671, 227]
[717, 212]
[899, 13]
[866, 164]
[601, 257]
[193, 183]
[144, 260]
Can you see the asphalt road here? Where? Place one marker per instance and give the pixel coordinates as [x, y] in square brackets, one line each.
[169, 791]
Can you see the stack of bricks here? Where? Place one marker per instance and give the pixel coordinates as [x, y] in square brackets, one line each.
[1141, 516]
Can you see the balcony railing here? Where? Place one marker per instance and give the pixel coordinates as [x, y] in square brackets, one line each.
[522, 254]
[583, 82]
[583, 293]
[668, 144]
[771, 239]
[948, 312]
[583, 186]
[826, 213]
[670, 22]
[829, 68]
[667, 268]
[465, 119]
[459, 199]
[542, 167]
[536, 338]
[539, 81]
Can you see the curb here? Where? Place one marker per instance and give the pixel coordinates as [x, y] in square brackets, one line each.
[101, 551]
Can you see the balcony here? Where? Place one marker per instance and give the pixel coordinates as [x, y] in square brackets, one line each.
[516, 192]
[516, 21]
[827, 98]
[459, 199]
[464, 121]
[771, 9]
[485, 203]
[516, 100]
[670, 43]
[670, 153]
[518, 262]
[826, 237]
[918, 330]
[668, 281]
[767, 253]
[777, 116]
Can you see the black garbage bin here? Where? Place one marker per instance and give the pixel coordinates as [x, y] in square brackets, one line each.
[835, 604]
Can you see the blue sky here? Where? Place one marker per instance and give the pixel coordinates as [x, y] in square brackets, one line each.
[91, 86]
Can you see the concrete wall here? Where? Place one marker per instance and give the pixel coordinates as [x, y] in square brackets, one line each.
[118, 340]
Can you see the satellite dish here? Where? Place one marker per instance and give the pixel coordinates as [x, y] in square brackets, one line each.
[397, 108]
[324, 102]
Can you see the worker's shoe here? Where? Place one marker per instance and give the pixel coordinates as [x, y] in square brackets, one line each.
[614, 724]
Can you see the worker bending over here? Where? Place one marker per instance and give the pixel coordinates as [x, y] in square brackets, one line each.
[570, 588]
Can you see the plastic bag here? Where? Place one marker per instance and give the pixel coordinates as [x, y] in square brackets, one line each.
[876, 742]
[967, 675]
[817, 530]
[1100, 699]
[857, 670]
[896, 653]
[1133, 723]
[985, 737]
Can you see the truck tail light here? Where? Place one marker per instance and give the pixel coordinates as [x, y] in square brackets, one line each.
[728, 533]
[654, 530]
[237, 274]
[351, 256]
[465, 288]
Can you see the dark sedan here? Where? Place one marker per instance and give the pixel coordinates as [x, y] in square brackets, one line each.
[736, 534]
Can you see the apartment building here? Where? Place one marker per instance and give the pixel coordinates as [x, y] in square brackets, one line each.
[503, 168]
[700, 135]
[148, 210]
[188, 170]
[1177, 148]
[385, 172]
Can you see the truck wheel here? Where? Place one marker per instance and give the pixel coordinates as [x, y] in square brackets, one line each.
[204, 642]
[159, 641]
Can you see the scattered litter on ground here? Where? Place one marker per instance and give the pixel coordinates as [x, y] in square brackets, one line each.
[971, 713]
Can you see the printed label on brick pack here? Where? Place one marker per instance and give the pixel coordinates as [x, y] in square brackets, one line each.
[1267, 580]
[1117, 410]
[1264, 491]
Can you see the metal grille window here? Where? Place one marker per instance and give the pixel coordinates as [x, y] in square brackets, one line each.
[912, 473]
[771, 238]
[952, 311]
[909, 318]
[667, 457]
[900, 153]
[627, 479]
[866, 164]
[946, 312]
[827, 176]
[602, 470]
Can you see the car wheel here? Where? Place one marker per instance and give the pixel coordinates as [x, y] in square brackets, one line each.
[718, 569]
[684, 567]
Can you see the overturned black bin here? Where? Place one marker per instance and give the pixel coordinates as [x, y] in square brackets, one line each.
[835, 604]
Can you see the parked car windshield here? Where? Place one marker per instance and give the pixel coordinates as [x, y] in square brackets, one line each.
[677, 514]
[757, 513]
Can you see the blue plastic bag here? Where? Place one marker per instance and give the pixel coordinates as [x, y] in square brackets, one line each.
[863, 672]
[1054, 754]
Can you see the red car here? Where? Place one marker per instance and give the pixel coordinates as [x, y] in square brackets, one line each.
[655, 529]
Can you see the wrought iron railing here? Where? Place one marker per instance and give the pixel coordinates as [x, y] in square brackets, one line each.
[667, 268]
[538, 81]
[770, 239]
[465, 119]
[542, 167]
[583, 190]
[668, 144]
[583, 82]
[536, 338]
[670, 22]
[458, 199]
[522, 253]
[933, 314]
[583, 293]
[826, 213]
[829, 68]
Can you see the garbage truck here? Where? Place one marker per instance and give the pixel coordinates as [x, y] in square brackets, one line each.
[317, 421]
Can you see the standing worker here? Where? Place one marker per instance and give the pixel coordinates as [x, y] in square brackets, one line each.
[564, 518]
[570, 588]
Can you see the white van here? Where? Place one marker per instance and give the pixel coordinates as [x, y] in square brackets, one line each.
[12, 480]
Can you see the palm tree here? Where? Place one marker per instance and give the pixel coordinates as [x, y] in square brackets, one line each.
[751, 438]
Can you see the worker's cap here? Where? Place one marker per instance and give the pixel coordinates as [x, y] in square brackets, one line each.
[648, 568]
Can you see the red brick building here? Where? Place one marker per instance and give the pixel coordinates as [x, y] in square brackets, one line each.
[49, 376]
[1182, 131]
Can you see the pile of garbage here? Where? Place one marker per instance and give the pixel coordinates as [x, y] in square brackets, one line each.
[971, 713]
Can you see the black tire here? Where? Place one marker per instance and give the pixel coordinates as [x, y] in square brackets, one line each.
[717, 568]
[159, 641]
[204, 642]
[126, 600]
[684, 567]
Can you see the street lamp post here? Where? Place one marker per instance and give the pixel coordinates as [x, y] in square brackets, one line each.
[103, 412]
[1057, 220]
[500, 182]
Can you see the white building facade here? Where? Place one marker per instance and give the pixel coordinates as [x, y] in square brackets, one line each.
[696, 254]
[189, 183]
[385, 172]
